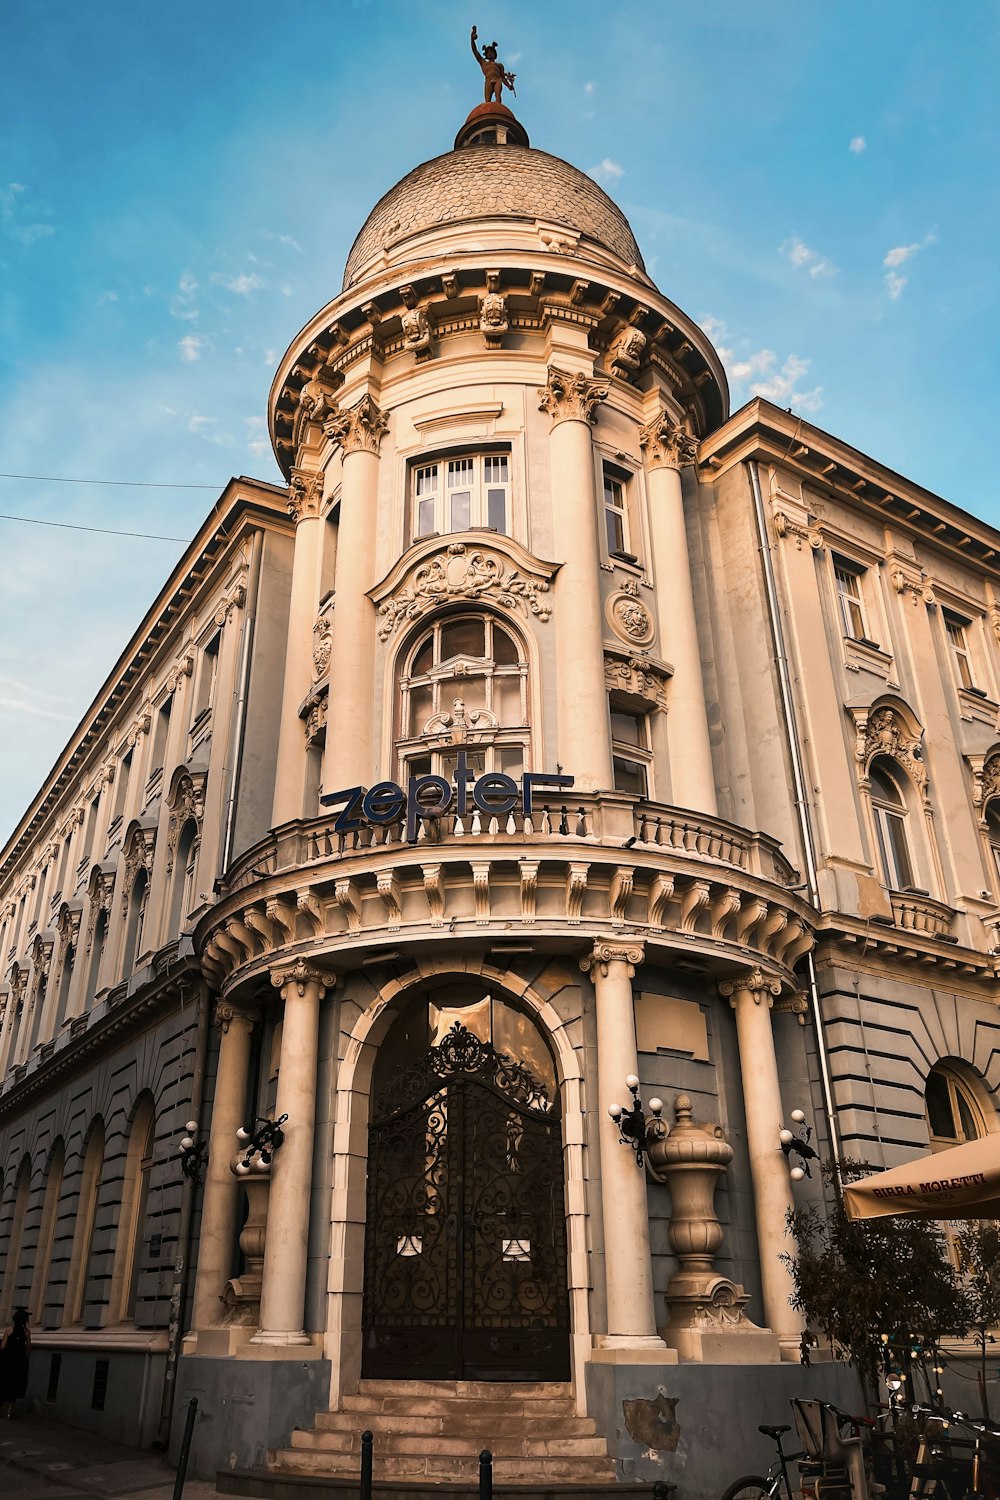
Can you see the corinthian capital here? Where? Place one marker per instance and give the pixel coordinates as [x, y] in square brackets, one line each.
[300, 974]
[305, 494]
[228, 1014]
[762, 988]
[570, 398]
[666, 445]
[359, 429]
[605, 954]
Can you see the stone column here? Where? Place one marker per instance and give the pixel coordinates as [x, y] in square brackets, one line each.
[350, 750]
[584, 727]
[286, 1250]
[666, 447]
[751, 996]
[305, 499]
[628, 1267]
[220, 1207]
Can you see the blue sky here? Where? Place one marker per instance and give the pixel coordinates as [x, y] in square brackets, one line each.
[180, 185]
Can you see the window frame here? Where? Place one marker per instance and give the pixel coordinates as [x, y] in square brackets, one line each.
[959, 1092]
[956, 631]
[844, 569]
[891, 820]
[440, 497]
[626, 480]
[639, 756]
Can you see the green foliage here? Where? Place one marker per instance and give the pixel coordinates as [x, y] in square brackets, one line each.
[979, 1255]
[859, 1280]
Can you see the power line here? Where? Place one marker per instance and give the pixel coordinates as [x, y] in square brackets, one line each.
[130, 484]
[145, 536]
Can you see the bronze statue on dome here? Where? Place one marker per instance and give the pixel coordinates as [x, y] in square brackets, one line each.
[496, 75]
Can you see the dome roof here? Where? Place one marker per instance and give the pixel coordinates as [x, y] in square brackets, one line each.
[493, 182]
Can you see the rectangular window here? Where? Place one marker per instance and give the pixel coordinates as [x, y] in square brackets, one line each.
[958, 640]
[852, 611]
[460, 494]
[208, 672]
[616, 512]
[91, 828]
[630, 751]
[160, 735]
[894, 850]
[121, 785]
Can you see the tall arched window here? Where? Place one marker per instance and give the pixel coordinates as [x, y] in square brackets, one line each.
[86, 1214]
[132, 1211]
[15, 1240]
[47, 1232]
[185, 864]
[65, 981]
[991, 817]
[890, 813]
[97, 947]
[463, 684]
[954, 1113]
[136, 918]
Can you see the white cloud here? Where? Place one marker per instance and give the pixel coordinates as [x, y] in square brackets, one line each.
[753, 364]
[258, 442]
[714, 327]
[190, 346]
[21, 706]
[182, 303]
[857, 144]
[588, 88]
[781, 388]
[280, 239]
[107, 297]
[802, 258]
[898, 256]
[198, 423]
[244, 284]
[607, 171]
[894, 284]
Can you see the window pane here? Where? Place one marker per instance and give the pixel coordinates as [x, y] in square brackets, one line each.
[496, 510]
[496, 469]
[421, 708]
[899, 871]
[470, 691]
[427, 480]
[461, 510]
[966, 1118]
[884, 789]
[616, 531]
[475, 762]
[507, 699]
[462, 638]
[505, 655]
[630, 776]
[459, 473]
[939, 1111]
[510, 760]
[424, 658]
[425, 517]
[627, 728]
[613, 492]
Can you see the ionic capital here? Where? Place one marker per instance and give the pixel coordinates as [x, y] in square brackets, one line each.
[570, 398]
[665, 444]
[301, 974]
[226, 1014]
[360, 429]
[305, 495]
[605, 954]
[762, 988]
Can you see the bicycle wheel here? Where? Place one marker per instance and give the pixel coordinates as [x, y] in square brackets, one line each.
[750, 1487]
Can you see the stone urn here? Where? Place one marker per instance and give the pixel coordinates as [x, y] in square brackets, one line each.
[242, 1294]
[706, 1318]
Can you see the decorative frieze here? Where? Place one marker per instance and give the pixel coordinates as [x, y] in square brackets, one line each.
[571, 397]
[360, 429]
[666, 445]
[460, 572]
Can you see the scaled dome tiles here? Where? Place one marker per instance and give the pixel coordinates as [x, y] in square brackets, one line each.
[492, 182]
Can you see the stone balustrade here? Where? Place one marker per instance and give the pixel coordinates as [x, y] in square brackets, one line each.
[914, 912]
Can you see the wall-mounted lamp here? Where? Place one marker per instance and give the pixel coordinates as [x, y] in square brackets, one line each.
[193, 1154]
[261, 1142]
[790, 1142]
[634, 1128]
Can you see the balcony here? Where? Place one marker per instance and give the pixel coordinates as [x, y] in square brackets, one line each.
[915, 912]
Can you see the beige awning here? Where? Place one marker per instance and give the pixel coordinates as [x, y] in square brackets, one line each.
[962, 1183]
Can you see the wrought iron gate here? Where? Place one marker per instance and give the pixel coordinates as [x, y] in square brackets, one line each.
[465, 1246]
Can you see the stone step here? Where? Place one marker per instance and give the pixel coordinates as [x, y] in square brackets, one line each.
[260, 1484]
[444, 1406]
[511, 1445]
[440, 1466]
[462, 1422]
[477, 1389]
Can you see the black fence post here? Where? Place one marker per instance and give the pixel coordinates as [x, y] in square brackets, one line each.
[486, 1475]
[367, 1439]
[182, 1457]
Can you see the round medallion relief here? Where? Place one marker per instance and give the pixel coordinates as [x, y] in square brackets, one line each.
[629, 618]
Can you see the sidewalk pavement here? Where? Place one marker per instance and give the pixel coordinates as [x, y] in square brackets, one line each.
[45, 1460]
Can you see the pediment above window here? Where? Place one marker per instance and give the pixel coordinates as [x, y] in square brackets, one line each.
[461, 569]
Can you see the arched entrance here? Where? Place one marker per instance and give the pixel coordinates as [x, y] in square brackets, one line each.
[465, 1240]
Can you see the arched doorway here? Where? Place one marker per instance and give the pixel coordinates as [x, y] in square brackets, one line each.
[465, 1241]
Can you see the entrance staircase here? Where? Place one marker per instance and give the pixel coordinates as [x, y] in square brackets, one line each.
[431, 1433]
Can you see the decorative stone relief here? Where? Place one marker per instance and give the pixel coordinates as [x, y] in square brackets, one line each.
[762, 988]
[605, 954]
[883, 731]
[233, 600]
[360, 429]
[226, 1013]
[139, 847]
[418, 332]
[913, 585]
[460, 726]
[666, 445]
[316, 715]
[628, 616]
[571, 398]
[626, 351]
[640, 678]
[187, 800]
[322, 644]
[305, 495]
[494, 319]
[300, 973]
[460, 572]
[177, 674]
[314, 400]
[985, 779]
[101, 889]
[785, 526]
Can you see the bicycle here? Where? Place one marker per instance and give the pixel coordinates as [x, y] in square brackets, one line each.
[755, 1486]
[822, 1475]
[940, 1471]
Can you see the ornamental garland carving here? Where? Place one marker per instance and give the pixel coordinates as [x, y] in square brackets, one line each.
[360, 429]
[461, 572]
[885, 732]
[633, 675]
[571, 398]
[666, 445]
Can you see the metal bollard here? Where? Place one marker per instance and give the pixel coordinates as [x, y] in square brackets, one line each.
[182, 1457]
[486, 1475]
[367, 1439]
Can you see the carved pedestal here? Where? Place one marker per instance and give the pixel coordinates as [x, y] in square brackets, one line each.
[242, 1294]
[706, 1319]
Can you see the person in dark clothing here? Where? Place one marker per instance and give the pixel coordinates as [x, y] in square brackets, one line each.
[15, 1350]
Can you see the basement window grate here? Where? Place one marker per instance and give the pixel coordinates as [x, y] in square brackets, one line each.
[99, 1394]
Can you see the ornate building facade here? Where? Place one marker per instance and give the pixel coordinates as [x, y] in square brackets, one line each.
[553, 731]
